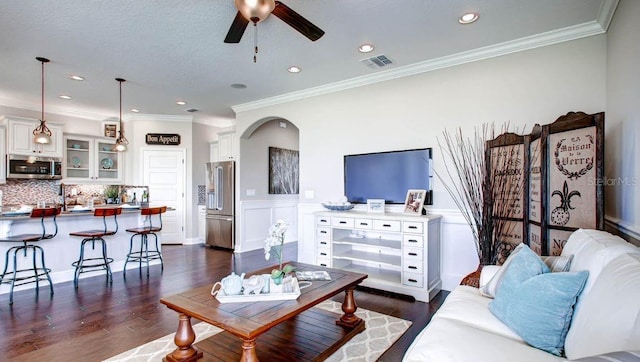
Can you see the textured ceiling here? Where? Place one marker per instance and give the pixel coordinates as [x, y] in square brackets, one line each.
[170, 50]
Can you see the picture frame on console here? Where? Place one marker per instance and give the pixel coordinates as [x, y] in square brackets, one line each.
[414, 202]
[375, 206]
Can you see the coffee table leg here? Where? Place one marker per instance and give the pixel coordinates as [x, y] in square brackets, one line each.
[249, 351]
[183, 339]
[349, 319]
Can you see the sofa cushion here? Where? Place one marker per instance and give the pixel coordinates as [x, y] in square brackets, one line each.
[540, 308]
[465, 305]
[490, 288]
[592, 250]
[620, 356]
[447, 340]
[558, 263]
[609, 316]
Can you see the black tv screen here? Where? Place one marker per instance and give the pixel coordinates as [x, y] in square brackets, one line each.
[387, 175]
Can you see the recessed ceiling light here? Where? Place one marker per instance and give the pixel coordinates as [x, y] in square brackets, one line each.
[365, 48]
[294, 69]
[76, 77]
[64, 96]
[468, 18]
[238, 86]
[181, 103]
[135, 110]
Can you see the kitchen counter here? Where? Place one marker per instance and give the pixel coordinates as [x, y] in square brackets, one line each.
[15, 215]
[63, 249]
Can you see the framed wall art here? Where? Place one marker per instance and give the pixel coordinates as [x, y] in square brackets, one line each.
[414, 201]
[110, 129]
[284, 175]
[375, 206]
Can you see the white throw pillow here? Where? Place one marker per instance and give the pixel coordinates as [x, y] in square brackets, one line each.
[490, 289]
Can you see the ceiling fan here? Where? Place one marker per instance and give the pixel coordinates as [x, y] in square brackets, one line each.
[256, 11]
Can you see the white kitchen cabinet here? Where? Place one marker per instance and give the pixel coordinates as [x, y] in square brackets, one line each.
[226, 146]
[3, 164]
[400, 253]
[213, 152]
[90, 159]
[20, 138]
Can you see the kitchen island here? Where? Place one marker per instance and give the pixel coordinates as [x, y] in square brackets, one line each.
[62, 250]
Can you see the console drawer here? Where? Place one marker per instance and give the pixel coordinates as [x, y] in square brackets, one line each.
[412, 253]
[323, 233]
[324, 244]
[323, 220]
[346, 222]
[413, 227]
[386, 225]
[325, 262]
[364, 223]
[413, 266]
[323, 253]
[413, 241]
[413, 279]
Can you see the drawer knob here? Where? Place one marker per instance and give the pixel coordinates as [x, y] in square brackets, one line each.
[323, 254]
[343, 222]
[412, 240]
[323, 232]
[413, 254]
[412, 267]
[412, 227]
[386, 225]
[412, 280]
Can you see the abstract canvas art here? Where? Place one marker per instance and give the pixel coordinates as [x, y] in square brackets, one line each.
[283, 171]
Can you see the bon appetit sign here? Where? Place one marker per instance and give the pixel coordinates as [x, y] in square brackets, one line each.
[165, 139]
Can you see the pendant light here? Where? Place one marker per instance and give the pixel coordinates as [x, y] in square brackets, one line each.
[42, 133]
[121, 142]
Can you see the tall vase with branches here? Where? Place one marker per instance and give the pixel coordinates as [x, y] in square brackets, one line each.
[471, 178]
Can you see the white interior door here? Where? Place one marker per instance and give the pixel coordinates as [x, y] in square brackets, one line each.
[164, 173]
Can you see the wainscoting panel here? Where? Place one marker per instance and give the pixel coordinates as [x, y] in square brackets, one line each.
[257, 216]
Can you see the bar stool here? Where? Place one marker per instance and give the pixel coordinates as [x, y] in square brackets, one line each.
[143, 232]
[83, 264]
[35, 273]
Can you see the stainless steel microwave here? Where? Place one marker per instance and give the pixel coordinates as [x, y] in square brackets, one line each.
[34, 167]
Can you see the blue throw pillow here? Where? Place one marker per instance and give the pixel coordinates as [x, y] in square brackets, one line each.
[524, 265]
[540, 308]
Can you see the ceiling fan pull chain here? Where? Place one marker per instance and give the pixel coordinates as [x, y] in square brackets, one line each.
[255, 41]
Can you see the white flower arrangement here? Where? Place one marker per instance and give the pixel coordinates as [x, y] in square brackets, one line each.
[274, 244]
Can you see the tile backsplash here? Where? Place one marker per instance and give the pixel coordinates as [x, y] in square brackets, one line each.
[17, 192]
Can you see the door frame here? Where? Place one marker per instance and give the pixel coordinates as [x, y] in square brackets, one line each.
[183, 154]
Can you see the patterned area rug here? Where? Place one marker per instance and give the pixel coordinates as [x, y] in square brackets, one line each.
[382, 330]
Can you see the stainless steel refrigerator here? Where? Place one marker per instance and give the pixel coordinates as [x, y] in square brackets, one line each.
[221, 204]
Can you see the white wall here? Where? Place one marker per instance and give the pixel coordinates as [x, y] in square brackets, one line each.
[622, 120]
[525, 88]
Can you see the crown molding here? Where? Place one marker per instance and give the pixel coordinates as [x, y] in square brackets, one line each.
[579, 31]
[157, 117]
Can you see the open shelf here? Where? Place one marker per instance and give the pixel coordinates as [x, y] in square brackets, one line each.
[357, 255]
[381, 243]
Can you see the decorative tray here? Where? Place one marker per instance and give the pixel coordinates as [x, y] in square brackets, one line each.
[338, 207]
[241, 298]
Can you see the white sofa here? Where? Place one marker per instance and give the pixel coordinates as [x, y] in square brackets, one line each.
[606, 315]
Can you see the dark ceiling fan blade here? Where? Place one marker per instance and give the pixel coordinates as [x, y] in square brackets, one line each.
[297, 21]
[237, 29]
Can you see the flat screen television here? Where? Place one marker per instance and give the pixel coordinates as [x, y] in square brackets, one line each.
[388, 175]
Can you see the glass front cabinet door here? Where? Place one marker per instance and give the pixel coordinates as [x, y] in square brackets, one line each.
[90, 159]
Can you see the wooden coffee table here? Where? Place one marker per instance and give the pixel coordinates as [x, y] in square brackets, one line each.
[247, 321]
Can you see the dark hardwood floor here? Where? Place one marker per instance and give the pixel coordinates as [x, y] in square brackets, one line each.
[98, 320]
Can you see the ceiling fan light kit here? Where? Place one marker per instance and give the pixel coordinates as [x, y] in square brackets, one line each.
[256, 11]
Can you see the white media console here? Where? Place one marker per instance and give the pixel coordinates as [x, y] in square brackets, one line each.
[399, 252]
